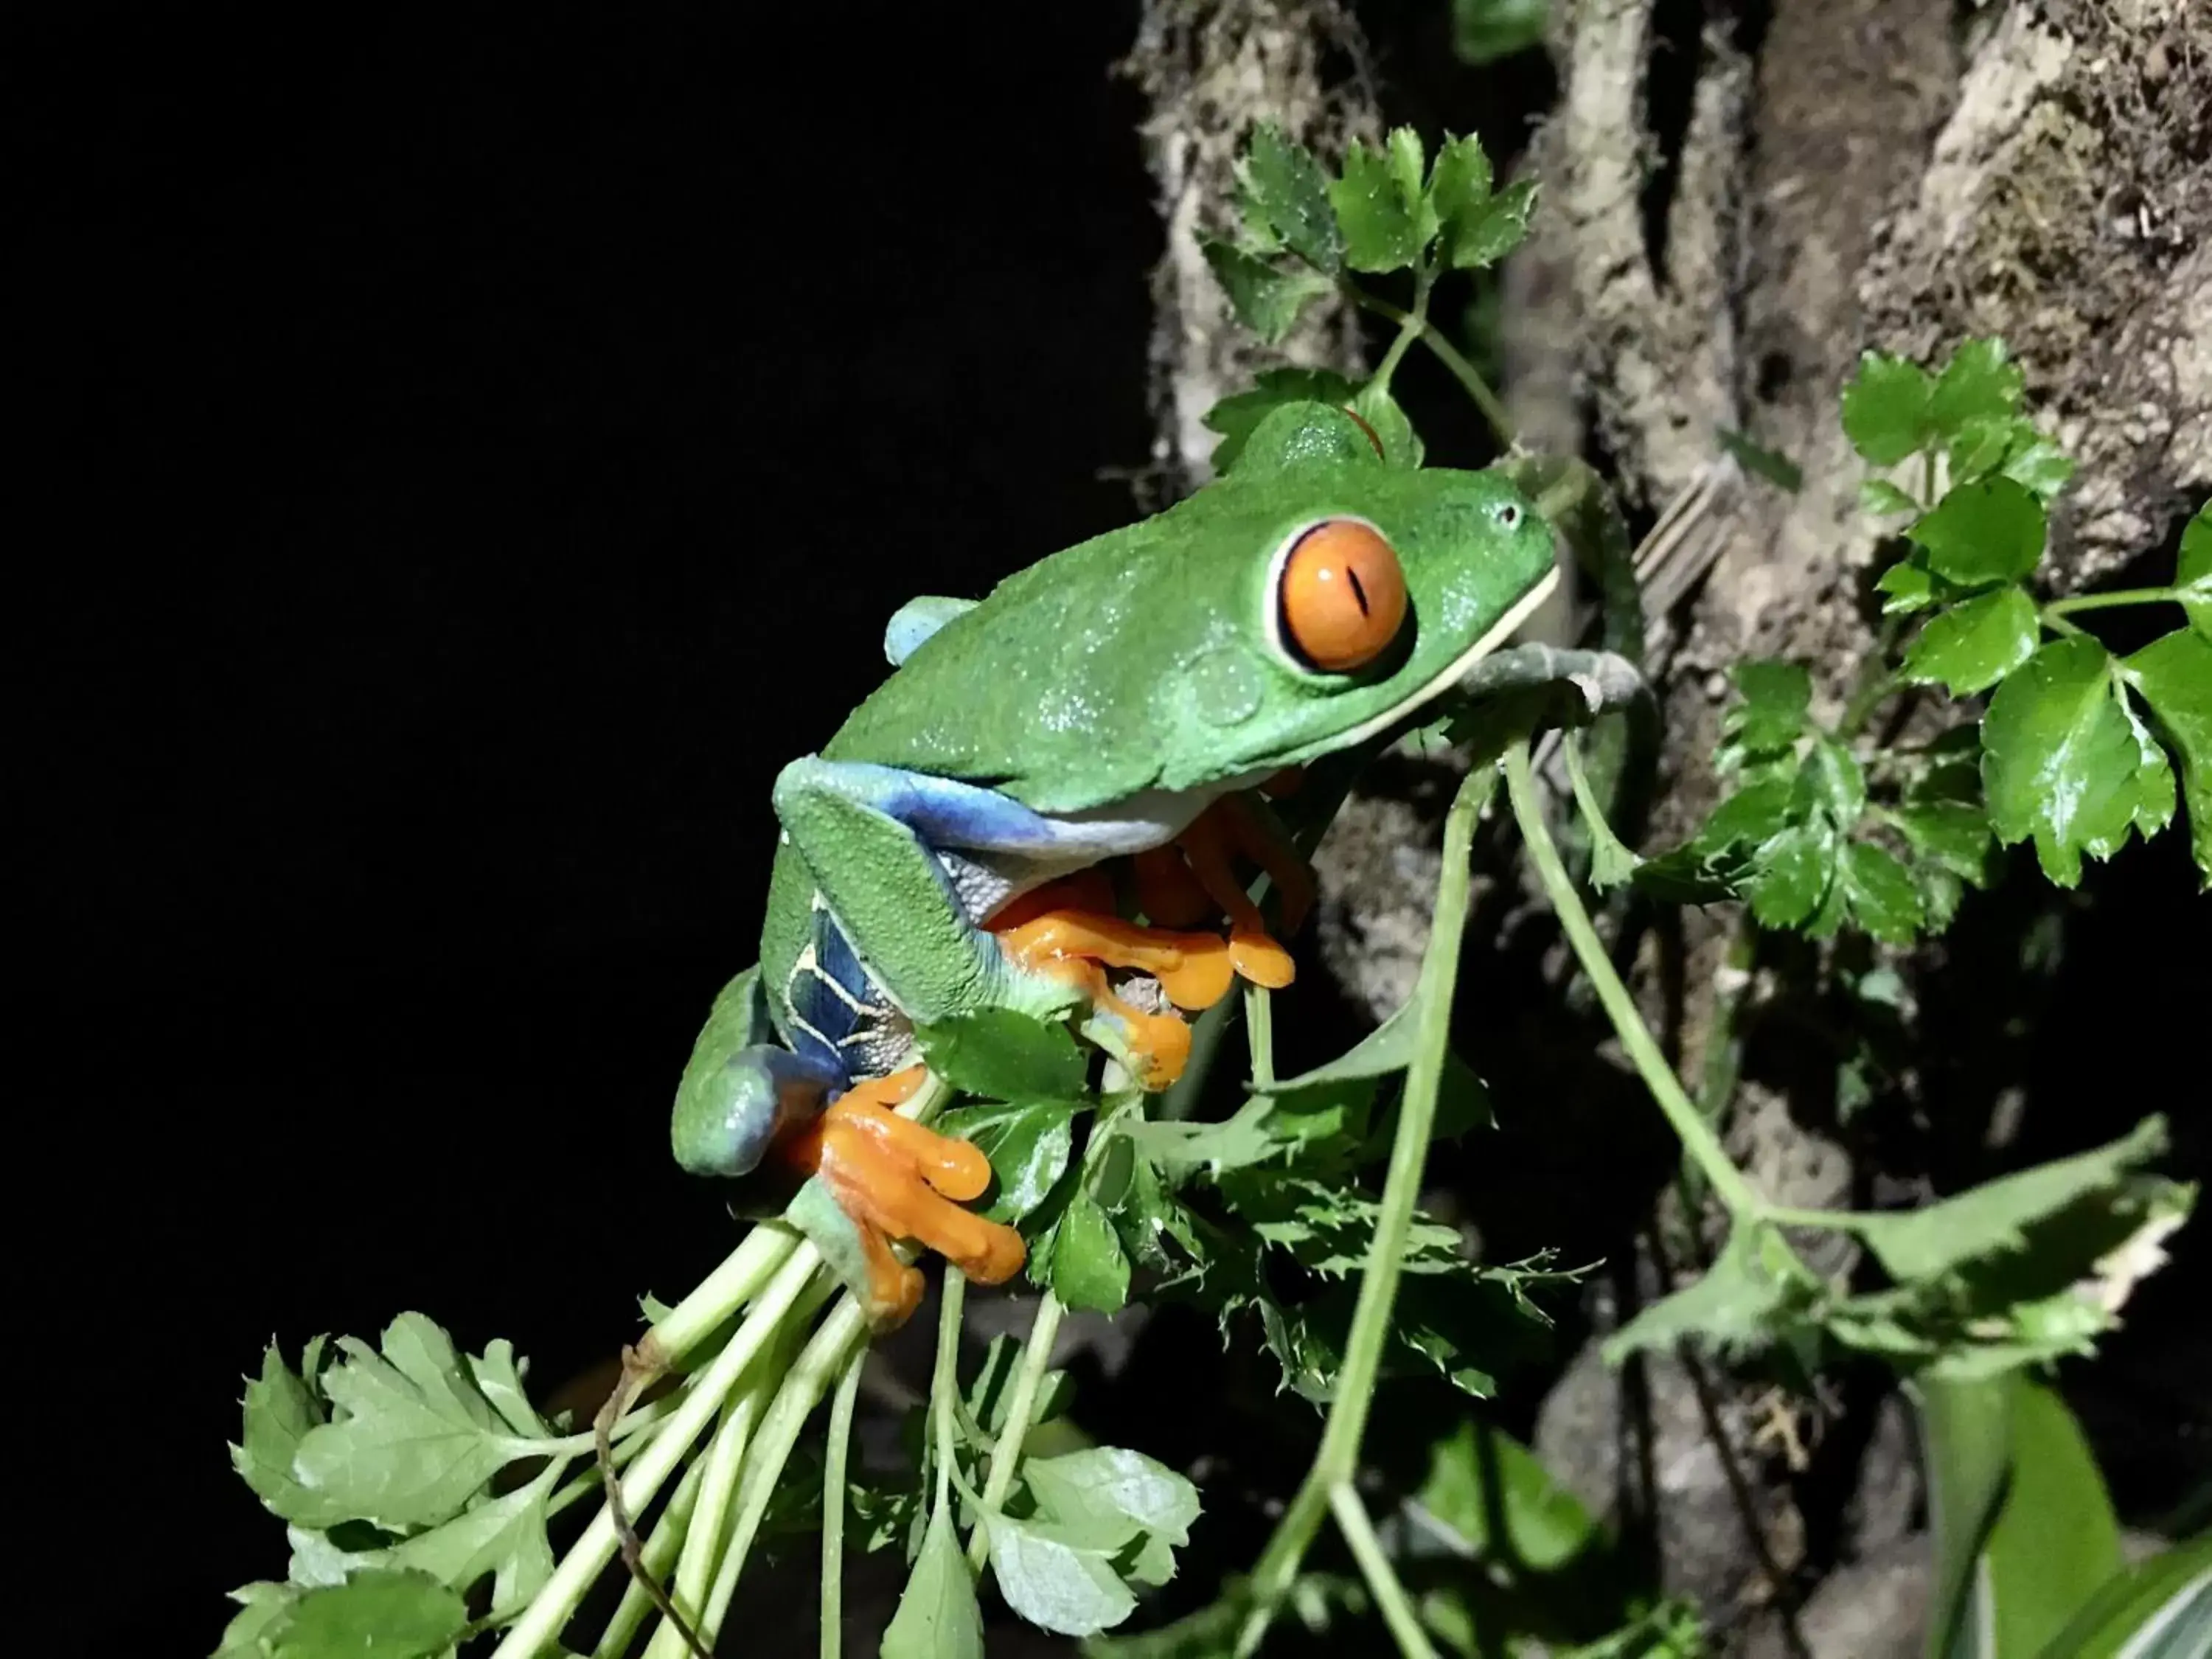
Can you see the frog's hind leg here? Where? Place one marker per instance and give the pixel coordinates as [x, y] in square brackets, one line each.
[1231, 826]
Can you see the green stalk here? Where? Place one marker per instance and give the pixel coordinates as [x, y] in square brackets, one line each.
[660, 1550]
[833, 1504]
[831, 1350]
[1337, 1461]
[533, 1633]
[724, 1462]
[2109, 601]
[1469, 377]
[720, 1294]
[945, 1380]
[1006, 1455]
[1390, 1598]
[1697, 1136]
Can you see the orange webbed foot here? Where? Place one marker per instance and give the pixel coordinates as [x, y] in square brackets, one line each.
[1228, 826]
[897, 1179]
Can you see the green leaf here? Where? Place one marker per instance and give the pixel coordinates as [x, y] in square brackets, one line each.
[1502, 1504]
[280, 1408]
[1881, 498]
[1777, 697]
[503, 1536]
[1056, 1582]
[1283, 182]
[1484, 31]
[2060, 758]
[1796, 870]
[1028, 1144]
[1966, 1440]
[1908, 585]
[1236, 418]
[1719, 860]
[2192, 572]
[1004, 1056]
[1971, 647]
[2055, 1539]
[376, 1614]
[1401, 444]
[1267, 298]
[1980, 383]
[1833, 783]
[938, 1616]
[992, 1390]
[1770, 465]
[1885, 408]
[1883, 899]
[1989, 532]
[411, 1437]
[1921, 1244]
[2158, 1608]
[1114, 1490]
[2174, 675]
[2035, 461]
[1379, 204]
[1480, 238]
[1088, 1268]
[261, 1606]
[1754, 1287]
[1951, 834]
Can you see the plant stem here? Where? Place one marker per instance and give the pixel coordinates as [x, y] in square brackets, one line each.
[1006, 1455]
[660, 1551]
[721, 1293]
[1338, 1459]
[534, 1633]
[945, 1380]
[725, 1461]
[1260, 1029]
[833, 1504]
[832, 1346]
[2108, 601]
[1374, 1566]
[1697, 1136]
[1469, 377]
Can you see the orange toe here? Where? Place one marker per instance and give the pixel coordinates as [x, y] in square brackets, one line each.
[1260, 959]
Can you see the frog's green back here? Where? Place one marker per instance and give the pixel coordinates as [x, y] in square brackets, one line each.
[1144, 657]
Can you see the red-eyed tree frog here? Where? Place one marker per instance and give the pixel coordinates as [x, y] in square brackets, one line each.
[1117, 700]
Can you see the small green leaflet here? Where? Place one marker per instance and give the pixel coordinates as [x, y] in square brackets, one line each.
[415, 1432]
[2173, 674]
[989, 1395]
[937, 1615]
[1971, 647]
[1267, 299]
[1001, 1054]
[1088, 1269]
[2063, 761]
[2158, 1608]
[1994, 1217]
[376, 1614]
[1755, 1289]
[1236, 417]
[1482, 1483]
[1101, 1519]
[1885, 408]
[1776, 697]
[1990, 532]
[2192, 572]
[1386, 217]
[1287, 189]
[280, 1408]
[503, 1536]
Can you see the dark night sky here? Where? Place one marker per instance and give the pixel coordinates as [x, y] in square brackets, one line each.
[484, 461]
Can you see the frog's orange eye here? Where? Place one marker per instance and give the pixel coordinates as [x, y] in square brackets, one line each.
[1342, 597]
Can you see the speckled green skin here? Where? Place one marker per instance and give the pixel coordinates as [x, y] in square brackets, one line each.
[1142, 660]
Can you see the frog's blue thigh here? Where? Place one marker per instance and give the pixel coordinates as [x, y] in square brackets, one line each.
[875, 838]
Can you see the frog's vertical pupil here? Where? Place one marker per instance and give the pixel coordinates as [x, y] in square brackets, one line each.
[1357, 592]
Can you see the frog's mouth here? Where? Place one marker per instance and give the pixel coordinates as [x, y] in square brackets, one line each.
[1445, 678]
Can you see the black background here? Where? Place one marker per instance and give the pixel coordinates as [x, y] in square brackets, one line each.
[484, 457]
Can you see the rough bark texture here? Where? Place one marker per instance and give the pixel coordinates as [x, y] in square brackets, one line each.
[1831, 176]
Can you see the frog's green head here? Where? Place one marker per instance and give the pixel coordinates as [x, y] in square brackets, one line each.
[1311, 597]
[1334, 595]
